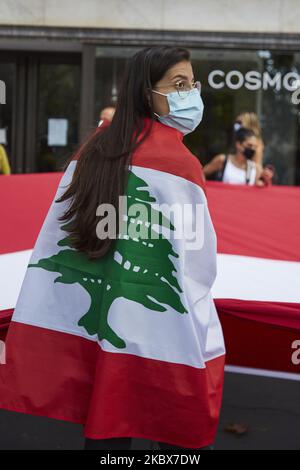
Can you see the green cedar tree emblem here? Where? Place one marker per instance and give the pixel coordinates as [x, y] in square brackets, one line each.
[134, 268]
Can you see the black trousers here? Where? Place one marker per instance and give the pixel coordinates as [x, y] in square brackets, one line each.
[124, 443]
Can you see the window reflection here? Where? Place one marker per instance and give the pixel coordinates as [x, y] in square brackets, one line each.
[253, 81]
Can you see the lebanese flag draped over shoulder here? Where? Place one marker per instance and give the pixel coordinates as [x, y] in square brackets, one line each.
[131, 344]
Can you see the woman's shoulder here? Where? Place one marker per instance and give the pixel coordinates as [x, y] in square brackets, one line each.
[166, 152]
[192, 169]
[218, 161]
[220, 157]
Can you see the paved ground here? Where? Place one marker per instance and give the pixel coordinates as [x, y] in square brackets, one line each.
[270, 408]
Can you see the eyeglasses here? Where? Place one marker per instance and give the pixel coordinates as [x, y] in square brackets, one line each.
[182, 88]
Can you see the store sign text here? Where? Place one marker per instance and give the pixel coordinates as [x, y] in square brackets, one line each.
[253, 80]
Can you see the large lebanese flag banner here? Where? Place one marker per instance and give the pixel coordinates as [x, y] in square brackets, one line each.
[257, 289]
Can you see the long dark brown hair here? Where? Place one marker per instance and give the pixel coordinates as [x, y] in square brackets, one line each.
[103, 158]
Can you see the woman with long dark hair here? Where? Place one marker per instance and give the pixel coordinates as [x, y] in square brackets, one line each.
[115, 326]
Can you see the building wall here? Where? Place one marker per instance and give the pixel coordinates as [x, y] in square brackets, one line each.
[263, 16]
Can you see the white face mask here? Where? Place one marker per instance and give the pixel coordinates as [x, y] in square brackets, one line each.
[185, 112]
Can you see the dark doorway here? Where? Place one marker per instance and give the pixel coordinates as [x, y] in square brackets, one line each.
[42, 110]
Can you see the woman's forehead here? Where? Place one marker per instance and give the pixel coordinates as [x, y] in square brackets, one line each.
[181, 70]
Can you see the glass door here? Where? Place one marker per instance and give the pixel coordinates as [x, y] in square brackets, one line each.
[8, 83]
[39, 123]
[57, 112]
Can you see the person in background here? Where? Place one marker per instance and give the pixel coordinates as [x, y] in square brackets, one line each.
[239, 167]
[106, 115]
[250, 121]
[4, 163]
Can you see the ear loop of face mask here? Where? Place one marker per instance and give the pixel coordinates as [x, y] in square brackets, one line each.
[159, 93]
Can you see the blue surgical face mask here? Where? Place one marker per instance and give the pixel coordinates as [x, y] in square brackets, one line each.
[186, 111]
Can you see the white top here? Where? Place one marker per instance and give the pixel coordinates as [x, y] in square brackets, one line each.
[235, 175]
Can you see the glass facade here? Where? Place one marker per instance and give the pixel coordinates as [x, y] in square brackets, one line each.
[44, 89]
[109, 67]
[41, 89]
[8, 77]
[233, 81]
[58, 100]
